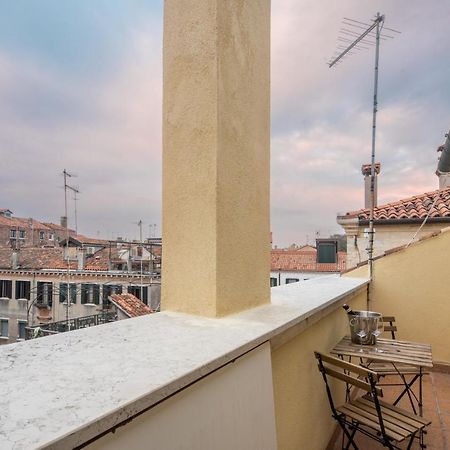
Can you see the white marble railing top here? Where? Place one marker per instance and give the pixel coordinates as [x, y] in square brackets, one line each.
[61, 391]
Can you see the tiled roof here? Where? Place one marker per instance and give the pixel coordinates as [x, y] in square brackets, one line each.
[89, 240]
[34, 258]
[22, 223]
[304, 259]
[130, 305]
[86, 240]
[53, 258]
[56, 227]
[416, 207]
[100, 259]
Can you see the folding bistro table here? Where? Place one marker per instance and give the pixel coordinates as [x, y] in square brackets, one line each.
[403, 357]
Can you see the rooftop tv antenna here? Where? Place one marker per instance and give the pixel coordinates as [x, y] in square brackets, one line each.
[363, 40]
[75, 191]
[140, 224]
[75, 199]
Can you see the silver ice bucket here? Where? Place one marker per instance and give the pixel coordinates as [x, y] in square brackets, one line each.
[364, 320]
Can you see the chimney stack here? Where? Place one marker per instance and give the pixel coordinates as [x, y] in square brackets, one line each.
[443, 169]
[64, 221]
[14, 260]
[80, 258]
[365, 170]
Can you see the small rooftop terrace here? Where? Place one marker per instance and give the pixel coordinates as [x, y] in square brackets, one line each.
[228, 364]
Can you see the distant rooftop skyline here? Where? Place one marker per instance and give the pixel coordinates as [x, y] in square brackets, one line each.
[81, 88]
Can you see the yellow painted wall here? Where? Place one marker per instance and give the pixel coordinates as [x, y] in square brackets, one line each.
[413, 285]
[302, 412]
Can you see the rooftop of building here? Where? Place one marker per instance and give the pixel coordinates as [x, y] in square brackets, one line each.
[22, 222]
[304, 259]
[33, 258]
[52, 258]
[130, 305]
[79, 239]
[435, 204]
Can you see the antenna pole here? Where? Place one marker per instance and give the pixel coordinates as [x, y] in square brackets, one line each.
[75, 191]
[66, 174]
[379, 21]
[76, 219]
[142, 255]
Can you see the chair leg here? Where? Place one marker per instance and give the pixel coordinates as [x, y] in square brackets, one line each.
[407, 390]
[350, 437]
[411, 441]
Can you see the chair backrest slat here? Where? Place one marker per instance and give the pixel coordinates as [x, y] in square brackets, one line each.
[352, 380]
[388, 319]
[349, 367]
[391, 327]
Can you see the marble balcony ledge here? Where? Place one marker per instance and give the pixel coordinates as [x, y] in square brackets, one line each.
[61, 391]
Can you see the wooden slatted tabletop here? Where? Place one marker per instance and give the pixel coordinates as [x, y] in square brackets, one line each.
[393, 351]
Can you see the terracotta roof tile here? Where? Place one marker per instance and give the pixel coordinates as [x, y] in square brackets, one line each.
[22, 223]
[416, 207]
[56, 227]
[304, 260]
[130, 305]
[100, 259]
[34, 258]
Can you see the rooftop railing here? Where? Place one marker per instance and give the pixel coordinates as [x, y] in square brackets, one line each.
[69, 325]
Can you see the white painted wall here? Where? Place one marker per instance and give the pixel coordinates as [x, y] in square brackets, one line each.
[386, 238]
[231, 409]
[302, 276]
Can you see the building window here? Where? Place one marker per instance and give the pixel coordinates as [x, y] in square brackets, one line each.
[292, 280]
[41, 235]
[44, 293]
[90, 294]
[327, 251]
[6, 288]
[136, 291]
[51, 237]
[63, 292]
[110, 289]
[22, 234]
[273, 282]
[23, 289]
[21, 324]
[4, 328]
[12, 234]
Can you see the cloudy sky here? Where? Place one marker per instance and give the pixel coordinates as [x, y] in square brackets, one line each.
[80, 88]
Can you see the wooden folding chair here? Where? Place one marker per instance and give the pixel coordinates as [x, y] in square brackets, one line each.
[392, 328]
[379, 420]
[383, 369]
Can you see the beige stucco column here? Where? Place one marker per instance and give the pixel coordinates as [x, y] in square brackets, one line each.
[216, 130]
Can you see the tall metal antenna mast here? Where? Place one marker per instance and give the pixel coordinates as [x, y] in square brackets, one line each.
[66, 186]
[140, 224]
[75, 198]
[371, 36]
